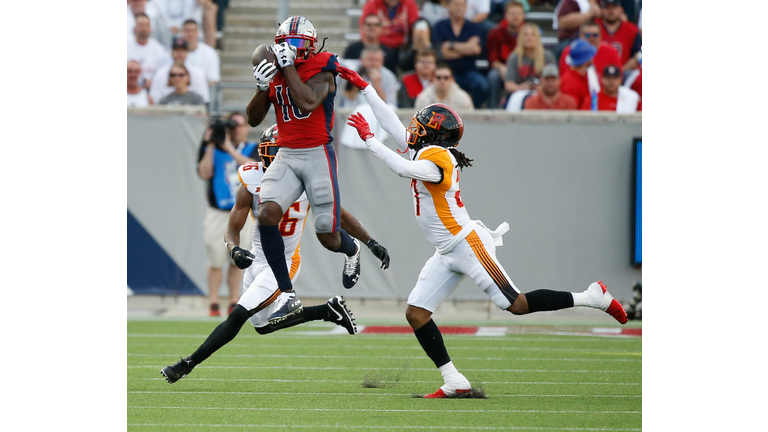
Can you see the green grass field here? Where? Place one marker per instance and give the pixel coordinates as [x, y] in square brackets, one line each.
[543, 379]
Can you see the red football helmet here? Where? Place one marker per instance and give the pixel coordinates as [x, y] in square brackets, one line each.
[300, 33]
[436, 124]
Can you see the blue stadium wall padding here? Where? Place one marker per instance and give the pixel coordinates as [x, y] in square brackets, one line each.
[150, 269]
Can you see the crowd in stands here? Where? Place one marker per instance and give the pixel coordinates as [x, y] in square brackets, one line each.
[471, 54]
[487, 53]
[170, 60]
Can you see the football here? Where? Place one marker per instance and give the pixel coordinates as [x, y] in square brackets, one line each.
[262, 52]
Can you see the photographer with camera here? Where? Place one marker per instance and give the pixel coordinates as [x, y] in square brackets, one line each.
[222, 151]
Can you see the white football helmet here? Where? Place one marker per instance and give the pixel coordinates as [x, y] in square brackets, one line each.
[300, 33]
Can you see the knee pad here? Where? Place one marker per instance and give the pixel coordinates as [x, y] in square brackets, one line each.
[324, 222]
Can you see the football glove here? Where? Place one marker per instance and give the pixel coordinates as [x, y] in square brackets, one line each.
[353, 77]
[358, 122]
[286, 54]
[379, 252]
[264, 72]
[241, 257]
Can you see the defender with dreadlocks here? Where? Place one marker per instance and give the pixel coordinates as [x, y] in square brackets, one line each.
[463, 247]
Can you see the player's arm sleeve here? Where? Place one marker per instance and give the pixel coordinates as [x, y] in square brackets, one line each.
[387, 118]
[424, 170]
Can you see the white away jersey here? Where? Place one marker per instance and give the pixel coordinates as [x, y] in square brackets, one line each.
[438, 207]
[291, 226]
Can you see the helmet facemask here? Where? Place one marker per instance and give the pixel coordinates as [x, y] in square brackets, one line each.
[298, 32]
[268, 146]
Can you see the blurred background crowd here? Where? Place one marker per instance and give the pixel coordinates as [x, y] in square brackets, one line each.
[472, 54]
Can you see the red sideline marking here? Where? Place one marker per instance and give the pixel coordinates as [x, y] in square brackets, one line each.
[632, 331]
[406, 329]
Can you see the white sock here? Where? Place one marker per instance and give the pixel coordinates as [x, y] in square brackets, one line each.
[581, 299]
[448, 371]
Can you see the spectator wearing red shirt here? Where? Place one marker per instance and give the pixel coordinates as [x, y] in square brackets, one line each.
[612, 97]
[397, 17]
[550, 97]
[622, 35]
[502, 40]
[415, 83]
[574, 79]
[606, 54]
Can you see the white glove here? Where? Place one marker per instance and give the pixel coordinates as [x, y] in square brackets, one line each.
[286, 54]
[264, 72]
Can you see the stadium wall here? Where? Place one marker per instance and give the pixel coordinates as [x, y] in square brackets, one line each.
[563, 181]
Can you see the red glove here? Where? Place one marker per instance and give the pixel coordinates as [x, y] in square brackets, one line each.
[358, 122]
[353, 77]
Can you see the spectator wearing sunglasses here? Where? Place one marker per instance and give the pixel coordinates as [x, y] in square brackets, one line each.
[179, 79]
[606, 54]
[446, 91]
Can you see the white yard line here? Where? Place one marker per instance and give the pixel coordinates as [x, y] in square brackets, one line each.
[389, 381]
[390, 357]
[379, 410]
[397, 369]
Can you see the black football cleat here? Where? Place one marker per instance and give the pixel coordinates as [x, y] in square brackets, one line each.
[351, 272]
[179, 370]
[290, 304]
[340, 314]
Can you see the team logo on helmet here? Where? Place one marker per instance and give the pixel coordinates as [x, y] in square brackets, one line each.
[297, 31]
[268, 145]
[436, 121]
[436, 124]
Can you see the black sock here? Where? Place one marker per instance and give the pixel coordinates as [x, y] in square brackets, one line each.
[274, 251]
[431, 341]
[548, 300]
[347, 244]
[307, 314]
[222, 334]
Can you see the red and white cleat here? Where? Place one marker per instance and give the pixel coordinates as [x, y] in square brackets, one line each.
[441, 394]
[607, 303]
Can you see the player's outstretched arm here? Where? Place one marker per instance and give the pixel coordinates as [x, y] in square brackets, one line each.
[424, 170]
[237, 218]
[353, 227]
[387, 118]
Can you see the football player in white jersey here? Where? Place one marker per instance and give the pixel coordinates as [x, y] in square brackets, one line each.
[463, 247]
[260, 288]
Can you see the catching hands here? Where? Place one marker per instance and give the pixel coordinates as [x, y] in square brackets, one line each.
[286, 54]
[241, 257]
[358, 122]
[264, 72]
[353, 77]
[379, 252]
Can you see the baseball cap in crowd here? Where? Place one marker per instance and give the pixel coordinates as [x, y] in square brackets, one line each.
[611, 71]
[179, 43]
[550, 70]
[581, 52]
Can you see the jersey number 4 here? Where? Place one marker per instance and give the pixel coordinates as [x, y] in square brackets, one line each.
[287, 106]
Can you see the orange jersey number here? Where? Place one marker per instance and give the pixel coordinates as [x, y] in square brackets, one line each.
[288, 224]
